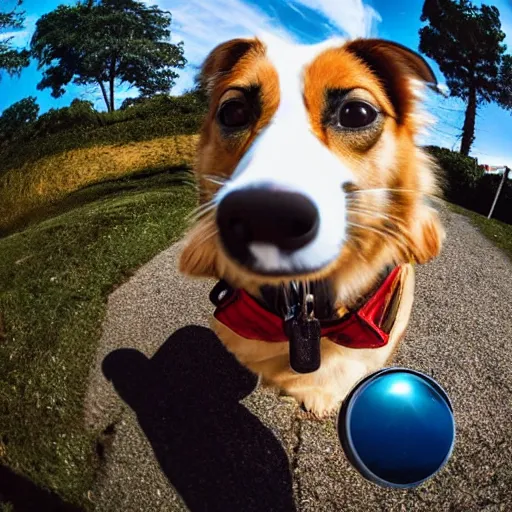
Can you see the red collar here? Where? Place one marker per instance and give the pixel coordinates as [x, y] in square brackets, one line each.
[359, 329]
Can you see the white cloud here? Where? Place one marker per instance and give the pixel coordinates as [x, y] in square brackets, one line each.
[202, 24]
[491, 159]
[18, 36]
[297, 10]
[354, 18]
[21, 38]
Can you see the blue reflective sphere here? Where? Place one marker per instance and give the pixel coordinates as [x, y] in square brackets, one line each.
[397, 427]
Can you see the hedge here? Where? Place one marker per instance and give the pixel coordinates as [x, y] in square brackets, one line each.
[468, 186]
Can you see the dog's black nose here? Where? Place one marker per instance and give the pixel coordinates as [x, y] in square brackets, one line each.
[288, 220]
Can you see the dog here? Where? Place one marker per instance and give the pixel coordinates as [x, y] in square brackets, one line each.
[315, 205]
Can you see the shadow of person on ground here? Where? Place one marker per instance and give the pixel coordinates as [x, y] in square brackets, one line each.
[214, 452]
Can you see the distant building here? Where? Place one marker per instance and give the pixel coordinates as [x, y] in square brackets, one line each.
[494, 169]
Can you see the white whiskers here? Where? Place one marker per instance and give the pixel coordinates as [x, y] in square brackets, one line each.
[376, 214]
[387, 234]
[201, 211]
[217, 180]
[399, 190]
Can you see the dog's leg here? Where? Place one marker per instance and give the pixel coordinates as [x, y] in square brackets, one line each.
[320, 392]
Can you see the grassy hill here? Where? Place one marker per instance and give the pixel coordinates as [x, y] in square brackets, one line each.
[74, 224]
[26, 191]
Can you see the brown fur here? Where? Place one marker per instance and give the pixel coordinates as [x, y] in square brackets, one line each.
[400, 229]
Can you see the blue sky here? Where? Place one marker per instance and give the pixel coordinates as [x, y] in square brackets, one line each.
[202, 24]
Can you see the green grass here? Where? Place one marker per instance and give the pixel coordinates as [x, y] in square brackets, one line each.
[55, 277]
[496, 231]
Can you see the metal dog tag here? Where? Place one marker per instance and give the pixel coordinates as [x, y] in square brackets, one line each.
[305, 334]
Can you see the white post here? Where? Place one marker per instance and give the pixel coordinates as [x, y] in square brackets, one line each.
[505, 176]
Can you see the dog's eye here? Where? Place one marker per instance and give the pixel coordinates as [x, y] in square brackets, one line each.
[356, 114]
[234, 114]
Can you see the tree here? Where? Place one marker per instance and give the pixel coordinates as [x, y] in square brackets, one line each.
[16, 118]
[467, 43]
[505, 81]
[11, 59]
[105, 42]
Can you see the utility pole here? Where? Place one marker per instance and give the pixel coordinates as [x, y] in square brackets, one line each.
[505, 176]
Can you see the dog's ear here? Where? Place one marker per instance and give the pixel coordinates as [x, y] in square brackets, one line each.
[426, 235]
[394, 65]
[223, 58]
[379, 53]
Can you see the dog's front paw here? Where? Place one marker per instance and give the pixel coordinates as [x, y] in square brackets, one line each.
[320, 404]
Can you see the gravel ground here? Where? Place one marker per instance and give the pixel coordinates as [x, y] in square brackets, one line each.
[185, 427]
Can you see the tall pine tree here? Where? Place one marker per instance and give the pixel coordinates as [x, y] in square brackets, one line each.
[467, 43]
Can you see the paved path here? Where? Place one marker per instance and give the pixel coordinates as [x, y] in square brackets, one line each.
[184, 426]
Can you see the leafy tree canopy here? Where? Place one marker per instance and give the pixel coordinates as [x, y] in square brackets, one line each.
[107, 42]
[12, 60]
[18, 117]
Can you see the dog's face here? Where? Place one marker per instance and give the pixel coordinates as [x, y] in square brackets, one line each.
[307, 164]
